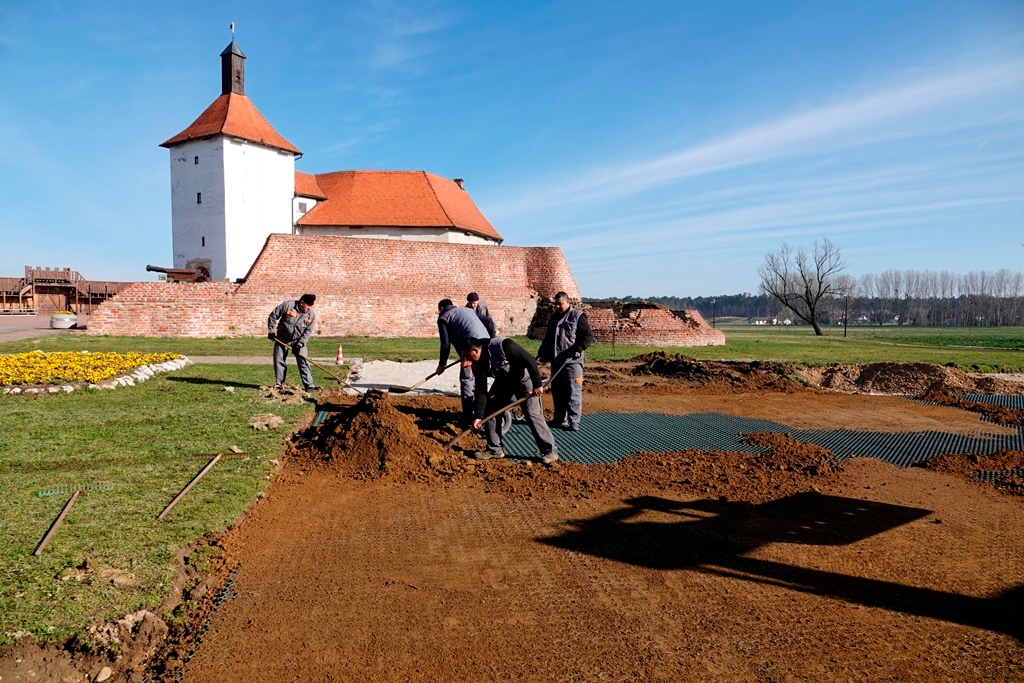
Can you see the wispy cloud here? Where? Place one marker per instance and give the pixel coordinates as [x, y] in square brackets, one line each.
[858, 120]
[404, 35]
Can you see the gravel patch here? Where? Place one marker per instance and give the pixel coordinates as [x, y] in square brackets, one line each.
[381, 374]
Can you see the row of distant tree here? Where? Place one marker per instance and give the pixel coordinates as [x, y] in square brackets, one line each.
[893, 297]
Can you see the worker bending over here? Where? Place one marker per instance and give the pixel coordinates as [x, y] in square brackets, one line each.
[515, 375]
[292, 323]
[456, 325]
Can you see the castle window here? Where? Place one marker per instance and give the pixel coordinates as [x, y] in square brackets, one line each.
[199, 197]
[204, 241]
[197, 161]
[302, 207]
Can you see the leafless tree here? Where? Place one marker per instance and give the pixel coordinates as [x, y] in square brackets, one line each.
[801, 281]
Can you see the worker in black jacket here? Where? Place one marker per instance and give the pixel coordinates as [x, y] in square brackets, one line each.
[568, 336]
[515, 375]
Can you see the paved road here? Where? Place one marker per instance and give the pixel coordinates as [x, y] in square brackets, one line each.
[15, 327]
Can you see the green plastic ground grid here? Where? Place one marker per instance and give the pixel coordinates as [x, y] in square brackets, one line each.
[993, 476]
[610, 437]
[1015, 401]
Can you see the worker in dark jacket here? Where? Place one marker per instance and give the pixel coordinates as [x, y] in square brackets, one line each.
[567, 337]
[456, 325]
[473, 302]
[515, 375]
[292, 323]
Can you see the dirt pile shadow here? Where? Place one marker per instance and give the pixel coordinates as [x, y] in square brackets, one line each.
[372, 439]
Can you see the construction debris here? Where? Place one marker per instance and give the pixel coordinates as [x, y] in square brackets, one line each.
[288, 394]
[265, 421]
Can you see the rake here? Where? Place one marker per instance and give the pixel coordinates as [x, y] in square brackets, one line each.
[195, 479]
[305, 355]
[67, 508]
[68, 489]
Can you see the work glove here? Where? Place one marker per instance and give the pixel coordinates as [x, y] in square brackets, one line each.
[271, 336]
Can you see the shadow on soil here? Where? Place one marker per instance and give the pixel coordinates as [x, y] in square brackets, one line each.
[713, 537]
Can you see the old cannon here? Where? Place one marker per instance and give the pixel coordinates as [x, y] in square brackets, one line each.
[182, 274]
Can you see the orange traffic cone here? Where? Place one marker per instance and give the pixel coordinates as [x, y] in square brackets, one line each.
[340, 360]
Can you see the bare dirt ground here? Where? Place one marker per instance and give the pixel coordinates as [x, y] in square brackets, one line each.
[377, 555]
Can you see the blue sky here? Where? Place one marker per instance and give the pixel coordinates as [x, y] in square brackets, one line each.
[664, 146]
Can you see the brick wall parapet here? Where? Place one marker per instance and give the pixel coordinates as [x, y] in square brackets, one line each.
[368, 287]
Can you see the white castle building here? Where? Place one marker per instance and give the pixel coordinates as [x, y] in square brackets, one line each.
[233, 183]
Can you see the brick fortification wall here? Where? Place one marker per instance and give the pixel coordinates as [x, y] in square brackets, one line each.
[371, 287]
[647, 324]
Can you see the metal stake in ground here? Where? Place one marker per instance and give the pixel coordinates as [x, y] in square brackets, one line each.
[313, 362]
[399, 389]
[195, 479]
[496, 413]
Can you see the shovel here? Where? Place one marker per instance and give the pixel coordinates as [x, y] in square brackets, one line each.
[496, 413]
[399, 389]
[305, 354]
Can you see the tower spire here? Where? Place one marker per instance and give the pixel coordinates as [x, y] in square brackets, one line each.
[232, 68]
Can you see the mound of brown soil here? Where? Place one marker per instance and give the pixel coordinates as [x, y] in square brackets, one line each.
[968, 464]
[997, 413]
[754, 375]
[372, 439]
[788, 466]
[911, 378]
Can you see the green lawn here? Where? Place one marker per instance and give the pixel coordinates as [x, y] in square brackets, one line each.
[984, 348]
[143, 441]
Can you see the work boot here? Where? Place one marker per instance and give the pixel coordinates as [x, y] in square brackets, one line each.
[556, 424]
[549, 457]
[573, 428]
[486, 455]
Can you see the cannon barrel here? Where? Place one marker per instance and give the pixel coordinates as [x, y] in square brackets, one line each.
[182, 274]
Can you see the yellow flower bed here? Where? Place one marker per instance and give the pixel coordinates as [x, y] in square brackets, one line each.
[64, 367]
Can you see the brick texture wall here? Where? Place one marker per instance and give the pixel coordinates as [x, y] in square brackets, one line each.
[647, 324]
[372, 287]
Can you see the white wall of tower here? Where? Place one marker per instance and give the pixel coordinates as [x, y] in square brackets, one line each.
[197, 205]
[259, 186]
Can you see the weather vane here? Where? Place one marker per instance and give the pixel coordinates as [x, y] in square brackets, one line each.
[232, 27]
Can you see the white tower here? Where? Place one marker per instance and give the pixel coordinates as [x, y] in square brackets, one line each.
[232, 181]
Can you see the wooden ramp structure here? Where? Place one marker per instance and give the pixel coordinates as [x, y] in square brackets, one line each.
[45, 290]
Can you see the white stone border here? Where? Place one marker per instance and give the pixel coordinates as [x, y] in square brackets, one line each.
[139, 374]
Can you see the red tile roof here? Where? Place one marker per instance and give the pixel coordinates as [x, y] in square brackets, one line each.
[414, 199]
[233, 114]
[307, 186]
